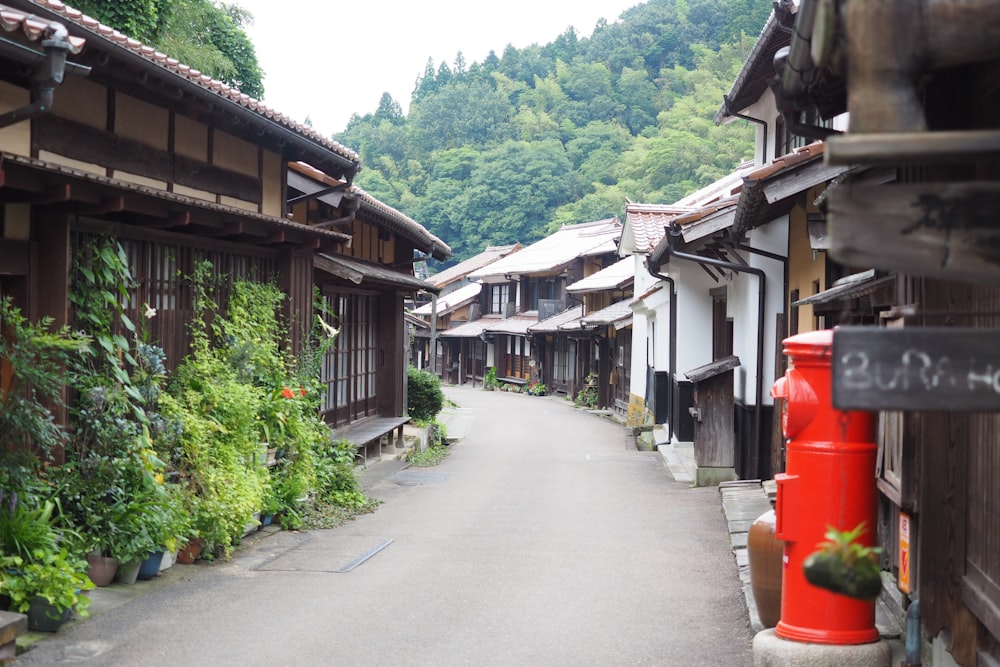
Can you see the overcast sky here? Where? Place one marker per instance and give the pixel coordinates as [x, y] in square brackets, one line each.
[327, 60]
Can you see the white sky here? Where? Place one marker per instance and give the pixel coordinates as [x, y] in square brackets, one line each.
[327, 60]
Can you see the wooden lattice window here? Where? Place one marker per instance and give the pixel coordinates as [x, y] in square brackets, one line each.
[350, 367]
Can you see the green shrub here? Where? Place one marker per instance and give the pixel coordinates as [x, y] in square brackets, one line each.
[425, 398]
[490, 381]
[587, 397]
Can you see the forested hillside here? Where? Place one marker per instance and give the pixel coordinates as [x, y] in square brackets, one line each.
[511, 148]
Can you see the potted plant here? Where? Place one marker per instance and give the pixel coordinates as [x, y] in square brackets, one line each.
[490, 382]
[48, 587]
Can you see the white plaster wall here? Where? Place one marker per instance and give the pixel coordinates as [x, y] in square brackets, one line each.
[766, 110]
[742, 306]
[641, 339]
[694, 315]
[650, 328]
[640, 343]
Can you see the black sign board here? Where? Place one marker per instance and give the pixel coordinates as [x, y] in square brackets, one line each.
[920, 368]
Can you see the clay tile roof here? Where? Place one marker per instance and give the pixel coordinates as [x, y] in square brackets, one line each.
[462, 269]
[405, 225]
[758, 68]
[451, 301]
[617, 276]
[618, 314]
[516, 324]
[802, 169]
[91, 25]
[554, 323]
[779, 164]
[555, 251]
[648, 223]
[472, 329]
[34, 28]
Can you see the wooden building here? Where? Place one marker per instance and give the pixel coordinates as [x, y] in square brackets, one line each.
[102, 135]
[529, 287]
[920, 83]
[454, 358]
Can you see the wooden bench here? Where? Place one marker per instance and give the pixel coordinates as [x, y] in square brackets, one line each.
[367, 434]
[12, 626]
[513, 380]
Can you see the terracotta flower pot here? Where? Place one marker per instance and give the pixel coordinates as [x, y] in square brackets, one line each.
[765, 552]
[101, 569]
[190, 551]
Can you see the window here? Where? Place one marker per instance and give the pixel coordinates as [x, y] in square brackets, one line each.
[161, 268]
[499, 296]
[722, 326]
[350, 367]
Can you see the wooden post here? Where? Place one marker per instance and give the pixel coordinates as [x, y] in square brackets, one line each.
[49, 284]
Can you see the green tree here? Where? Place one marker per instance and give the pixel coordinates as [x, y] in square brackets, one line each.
[459, 114]
[206, 35]
[144, 20]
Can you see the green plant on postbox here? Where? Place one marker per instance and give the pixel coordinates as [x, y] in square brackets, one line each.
[843, 566]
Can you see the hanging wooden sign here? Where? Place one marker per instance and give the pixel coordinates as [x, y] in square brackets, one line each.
[948, 230]
[925, 368]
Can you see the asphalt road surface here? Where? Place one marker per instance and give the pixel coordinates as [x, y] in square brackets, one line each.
[541, 540]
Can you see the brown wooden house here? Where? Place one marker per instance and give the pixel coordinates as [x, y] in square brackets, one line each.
[919, 81]
[529, 287]
[454, 358]
[100, 134]
[607, 321]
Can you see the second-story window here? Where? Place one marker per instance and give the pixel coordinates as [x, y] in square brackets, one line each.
[545, 288]
[499, 295]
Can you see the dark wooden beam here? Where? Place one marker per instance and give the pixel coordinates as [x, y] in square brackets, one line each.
[176, 220]
[311, 244]
[910, 147]
[52, 194]
[273, 238]
[113, 204]
[88, 144]
[229, 229]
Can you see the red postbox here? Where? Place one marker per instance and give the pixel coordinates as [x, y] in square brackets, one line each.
[829, 481]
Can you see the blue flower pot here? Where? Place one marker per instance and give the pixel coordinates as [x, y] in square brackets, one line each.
[151, 566]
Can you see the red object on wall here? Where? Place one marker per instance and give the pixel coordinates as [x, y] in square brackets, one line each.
[829, 481]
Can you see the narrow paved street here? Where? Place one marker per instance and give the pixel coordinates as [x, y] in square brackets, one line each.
[540, 540]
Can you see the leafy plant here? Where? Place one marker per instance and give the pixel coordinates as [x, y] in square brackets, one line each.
[23, 531]
[36, 354]
[424, 396]
[844, 566]
[537, 389]
[57, 576]
[587, 397]
[490, 381]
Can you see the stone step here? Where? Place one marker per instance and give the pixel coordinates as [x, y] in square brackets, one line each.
[12, 626]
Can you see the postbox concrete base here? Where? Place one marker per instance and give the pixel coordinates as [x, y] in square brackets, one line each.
[769, 650]
[713, 476]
